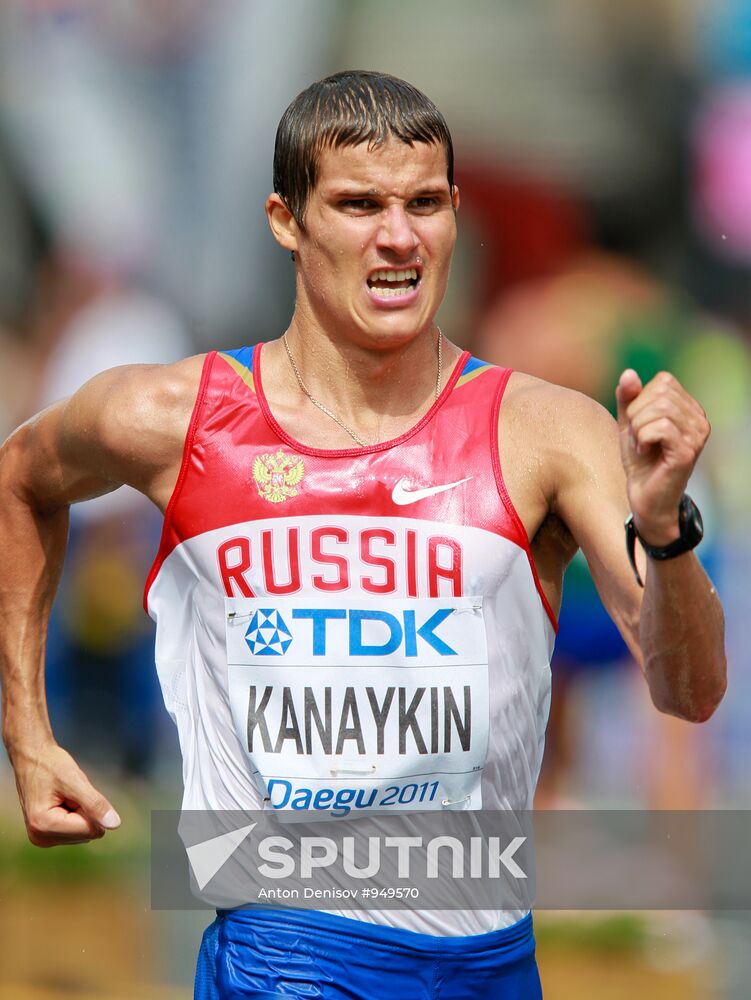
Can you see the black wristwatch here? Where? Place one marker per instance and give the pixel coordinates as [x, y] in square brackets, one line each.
[691, 530]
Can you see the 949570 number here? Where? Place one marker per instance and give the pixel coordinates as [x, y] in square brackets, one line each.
[405, 892]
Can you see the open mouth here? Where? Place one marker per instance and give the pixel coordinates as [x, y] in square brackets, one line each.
[390, 284]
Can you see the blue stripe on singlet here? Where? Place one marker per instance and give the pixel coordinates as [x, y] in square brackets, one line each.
[472, 364]
[244, 355]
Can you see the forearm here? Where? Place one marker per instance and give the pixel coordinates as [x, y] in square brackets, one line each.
[32, 557]
[38, 481]
[681, 635]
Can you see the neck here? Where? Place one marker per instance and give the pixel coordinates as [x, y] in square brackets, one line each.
[365, 374]
[375, 393]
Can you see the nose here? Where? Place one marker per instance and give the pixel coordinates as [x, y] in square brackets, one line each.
[396, 232]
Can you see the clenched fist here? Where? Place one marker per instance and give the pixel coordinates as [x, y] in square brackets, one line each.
[60, 805]
[663, 430]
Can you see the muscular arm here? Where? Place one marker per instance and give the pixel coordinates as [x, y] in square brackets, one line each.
[125, 426]
[674, 626]
[574, 474]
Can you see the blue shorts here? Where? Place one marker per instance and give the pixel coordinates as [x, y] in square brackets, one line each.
[264, 954]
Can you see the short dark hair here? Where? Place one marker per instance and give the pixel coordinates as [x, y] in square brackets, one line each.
[344, 110]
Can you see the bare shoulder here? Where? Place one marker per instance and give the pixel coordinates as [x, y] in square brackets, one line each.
[568, 430]
[135, 406]
[546, 406]
[550, 437]
[126, 425]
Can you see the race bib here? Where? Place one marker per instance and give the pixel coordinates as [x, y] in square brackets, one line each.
[361, 705]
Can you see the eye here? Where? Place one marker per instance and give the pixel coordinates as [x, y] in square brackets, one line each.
[424, 204]
[357, 204]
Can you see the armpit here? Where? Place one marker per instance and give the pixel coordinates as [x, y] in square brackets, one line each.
[553, 548]
[553, 533]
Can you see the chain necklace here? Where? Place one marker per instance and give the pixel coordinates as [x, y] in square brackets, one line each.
[329, 413]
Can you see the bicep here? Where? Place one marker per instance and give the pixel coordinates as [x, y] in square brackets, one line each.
[55, 462]
[86, 445]
[591, 499]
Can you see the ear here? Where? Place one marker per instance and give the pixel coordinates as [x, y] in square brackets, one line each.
[455, 200]
[282, 222]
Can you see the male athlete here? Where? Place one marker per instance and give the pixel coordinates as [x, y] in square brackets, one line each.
[361, 499]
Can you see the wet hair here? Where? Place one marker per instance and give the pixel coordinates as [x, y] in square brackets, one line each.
[347, 109]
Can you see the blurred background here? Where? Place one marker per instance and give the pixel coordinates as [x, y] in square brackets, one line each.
[604, 159]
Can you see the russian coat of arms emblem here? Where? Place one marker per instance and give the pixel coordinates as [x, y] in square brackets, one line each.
[277, 475]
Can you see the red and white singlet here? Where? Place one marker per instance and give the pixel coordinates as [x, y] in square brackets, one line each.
[352, 630]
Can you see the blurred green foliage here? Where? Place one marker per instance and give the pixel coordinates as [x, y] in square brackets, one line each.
[619, 934]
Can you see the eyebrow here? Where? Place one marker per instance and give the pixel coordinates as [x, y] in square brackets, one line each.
[356, 193]
[353, 193]
[432, 192]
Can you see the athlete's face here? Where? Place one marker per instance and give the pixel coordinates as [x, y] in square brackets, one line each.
[380, 228]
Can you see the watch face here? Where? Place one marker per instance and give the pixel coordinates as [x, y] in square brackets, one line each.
[691, 524]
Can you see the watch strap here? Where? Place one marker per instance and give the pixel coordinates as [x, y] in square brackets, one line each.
[691, 533]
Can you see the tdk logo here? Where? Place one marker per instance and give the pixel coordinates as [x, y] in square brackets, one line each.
[360, 632]
[267, 633]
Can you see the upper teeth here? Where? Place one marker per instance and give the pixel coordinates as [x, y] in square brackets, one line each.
[410, 275]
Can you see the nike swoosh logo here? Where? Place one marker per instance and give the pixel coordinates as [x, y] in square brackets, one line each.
[402, 496]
